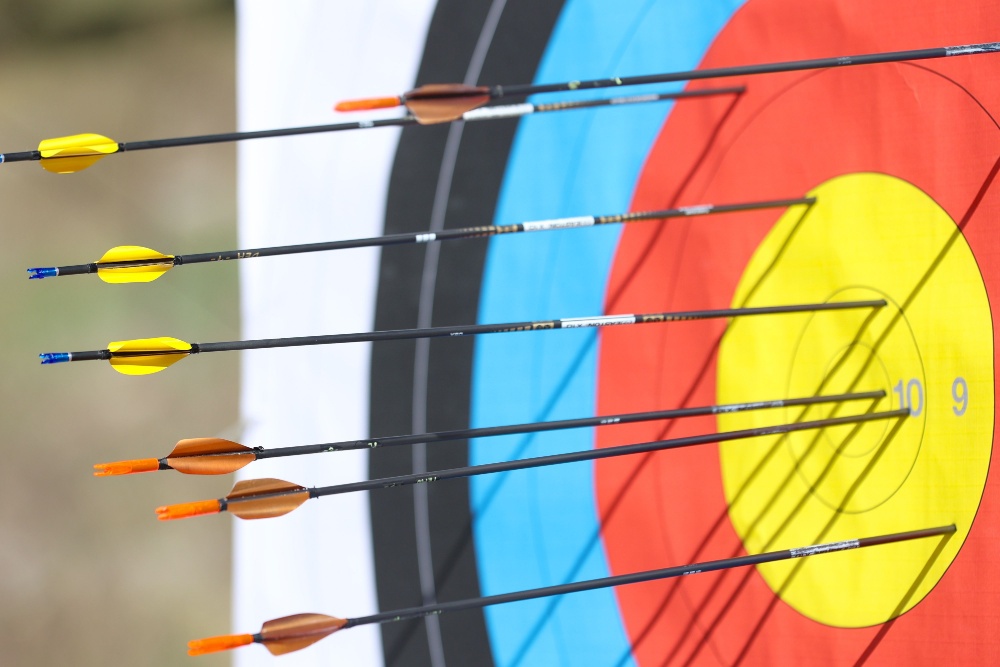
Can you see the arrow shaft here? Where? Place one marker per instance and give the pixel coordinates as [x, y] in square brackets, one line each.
[540, 325]
[428, 237]
[465, 330]
[490, 113]
[512, 327]
[20, 156]
[226, 137]
[491, 230]
[497, 92]
[650, 575]
[92, 267]
[596, 454]
[583, 422]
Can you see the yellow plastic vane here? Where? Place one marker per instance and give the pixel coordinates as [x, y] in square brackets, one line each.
[66, 155]
[164, 352]
[158, 265]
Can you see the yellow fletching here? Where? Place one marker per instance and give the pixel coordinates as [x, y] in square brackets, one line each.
[77, 145]
[127, 253]
[161, 344]
[70, 165]
[159, 264]
[164, 352]
[65, 155]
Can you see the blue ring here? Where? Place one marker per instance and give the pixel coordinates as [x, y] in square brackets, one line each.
[540, 527]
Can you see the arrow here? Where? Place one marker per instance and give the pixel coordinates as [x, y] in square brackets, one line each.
[291, 633]
[215, 456]
[442, 103]
[133, 264]
[268, 498]
[66, 155]
[151, 355]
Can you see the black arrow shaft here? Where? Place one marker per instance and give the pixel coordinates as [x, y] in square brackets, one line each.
[583, 422]
[406, 121]
[92, 267]
[489, 230]
[224, 137]
[402, 121]
[511, 327]
[651, 575]
[475, 329]
[497, 92]
[596, 454]
[443, 235]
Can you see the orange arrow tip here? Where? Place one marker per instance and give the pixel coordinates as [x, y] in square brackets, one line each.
[185, 510]
[126, 467]
[368, 104]
[216, 644]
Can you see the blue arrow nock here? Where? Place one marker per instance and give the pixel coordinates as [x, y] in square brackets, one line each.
[43, 272]
[55, 357]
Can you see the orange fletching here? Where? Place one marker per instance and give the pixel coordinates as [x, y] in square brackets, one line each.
[293, 633]
[368, 104]
[126, 467]
[202, 446]
[444, 102]
[211, 464]
[185, 510]
[216, 644]
[209, 456]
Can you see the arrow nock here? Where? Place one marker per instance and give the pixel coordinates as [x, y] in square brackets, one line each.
[217, 644]
[369, 104]
[42, 272]
[126, 467]
[186, 510]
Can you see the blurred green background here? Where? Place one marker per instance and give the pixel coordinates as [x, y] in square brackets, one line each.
[87, 574]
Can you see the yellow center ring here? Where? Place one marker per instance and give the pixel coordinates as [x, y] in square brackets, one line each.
[930, 349]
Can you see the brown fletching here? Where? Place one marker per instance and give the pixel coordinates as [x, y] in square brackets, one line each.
[209, 456]
[291, 633]
[200, 446]
[211, 464]
[265, 498]
[256, 487]
[444, 102]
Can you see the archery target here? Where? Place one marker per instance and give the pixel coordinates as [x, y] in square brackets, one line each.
[921, 135]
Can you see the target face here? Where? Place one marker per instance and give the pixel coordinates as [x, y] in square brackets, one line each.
[902, 161]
